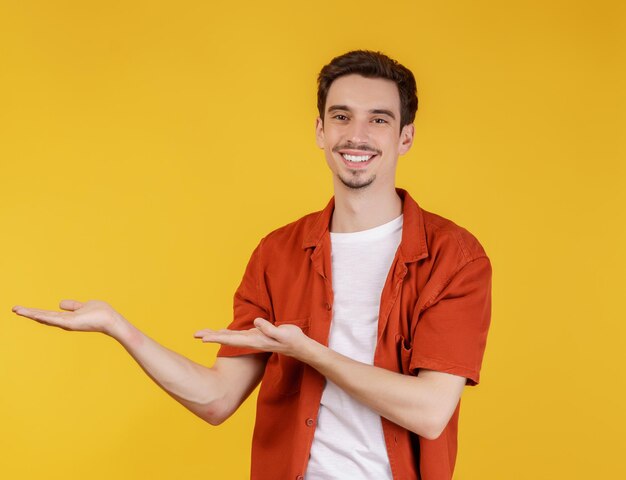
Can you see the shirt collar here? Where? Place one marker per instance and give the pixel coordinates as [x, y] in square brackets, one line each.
[413, 246]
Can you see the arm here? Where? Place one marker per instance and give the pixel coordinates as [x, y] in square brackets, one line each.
[421, 404]
[213, 393]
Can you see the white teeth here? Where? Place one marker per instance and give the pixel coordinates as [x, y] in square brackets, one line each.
[356, 158]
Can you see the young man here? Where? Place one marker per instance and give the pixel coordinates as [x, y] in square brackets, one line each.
[364, 321]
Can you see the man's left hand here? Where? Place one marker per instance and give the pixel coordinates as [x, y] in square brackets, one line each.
[286, 339]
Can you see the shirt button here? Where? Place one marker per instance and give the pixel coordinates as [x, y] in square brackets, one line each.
[299, 477]
[328, 306]
[309, 422]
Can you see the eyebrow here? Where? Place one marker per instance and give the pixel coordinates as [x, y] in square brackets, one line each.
[382, 111]
[376, 111]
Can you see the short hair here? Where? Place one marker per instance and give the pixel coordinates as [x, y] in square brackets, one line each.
[370, 64]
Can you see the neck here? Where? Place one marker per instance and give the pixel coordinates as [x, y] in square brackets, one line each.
[357, 210]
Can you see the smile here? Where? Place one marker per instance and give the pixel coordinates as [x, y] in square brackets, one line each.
[356, 158]
[357, 162]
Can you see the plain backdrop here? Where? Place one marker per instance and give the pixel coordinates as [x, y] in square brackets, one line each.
[147, 146]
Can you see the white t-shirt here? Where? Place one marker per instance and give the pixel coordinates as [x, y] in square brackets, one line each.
[348, 441]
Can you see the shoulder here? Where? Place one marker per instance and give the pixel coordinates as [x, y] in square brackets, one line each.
[456, 263]
[445, 238]
[290, 235]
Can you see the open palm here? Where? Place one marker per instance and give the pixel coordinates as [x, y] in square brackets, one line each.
[91, 316]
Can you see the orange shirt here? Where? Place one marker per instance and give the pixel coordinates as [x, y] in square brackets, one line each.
[434, 314]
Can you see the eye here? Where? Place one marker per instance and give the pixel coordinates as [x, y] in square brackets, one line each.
[339, 116]
[380, 121]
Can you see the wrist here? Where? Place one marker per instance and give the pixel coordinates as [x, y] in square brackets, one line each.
[118, 328]
[312, 352]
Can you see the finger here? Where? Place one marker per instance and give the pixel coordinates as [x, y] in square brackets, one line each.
[28, 312]
[240, 338]
[47, 317]
[261, 321]
[221, 334]
[268, 328]
[70, 305]
[223, 337]
[206, 331]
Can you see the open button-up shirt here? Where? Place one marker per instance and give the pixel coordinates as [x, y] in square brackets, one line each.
[434, 314]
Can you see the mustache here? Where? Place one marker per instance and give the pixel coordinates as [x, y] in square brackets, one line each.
[362, 146]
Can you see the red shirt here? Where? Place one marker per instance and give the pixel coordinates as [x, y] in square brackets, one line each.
[434, 314]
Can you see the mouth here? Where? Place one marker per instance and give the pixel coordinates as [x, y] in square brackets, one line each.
[354, 159]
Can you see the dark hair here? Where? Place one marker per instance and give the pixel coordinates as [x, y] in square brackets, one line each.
[371, 65]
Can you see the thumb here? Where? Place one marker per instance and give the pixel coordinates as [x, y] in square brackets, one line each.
[266, 328]
[70, 305]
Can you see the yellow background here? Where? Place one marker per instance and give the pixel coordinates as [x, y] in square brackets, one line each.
[146, 147]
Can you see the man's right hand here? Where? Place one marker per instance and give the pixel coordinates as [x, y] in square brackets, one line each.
[91, 316]
[211, 393]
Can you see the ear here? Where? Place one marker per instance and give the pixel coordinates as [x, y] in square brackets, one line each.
[319, 132]
[406, 138]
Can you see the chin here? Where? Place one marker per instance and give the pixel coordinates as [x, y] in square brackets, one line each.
[356, 184]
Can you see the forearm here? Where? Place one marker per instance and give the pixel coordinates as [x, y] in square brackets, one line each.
[195, 386]
[421, 405]
[211, 393]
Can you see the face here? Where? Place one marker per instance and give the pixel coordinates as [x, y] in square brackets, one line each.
[361, 134]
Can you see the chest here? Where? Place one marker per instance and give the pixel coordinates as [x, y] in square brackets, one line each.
[312, 290]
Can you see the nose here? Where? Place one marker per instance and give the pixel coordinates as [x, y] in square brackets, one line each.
[358, 131]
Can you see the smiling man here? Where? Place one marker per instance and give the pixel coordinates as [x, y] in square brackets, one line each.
[363, 321]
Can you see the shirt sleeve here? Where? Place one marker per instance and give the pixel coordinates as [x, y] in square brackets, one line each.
[451, 331]
[251, 300]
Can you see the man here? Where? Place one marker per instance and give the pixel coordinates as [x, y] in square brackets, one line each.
[364, 321]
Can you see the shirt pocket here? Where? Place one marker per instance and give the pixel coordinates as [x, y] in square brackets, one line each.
[282, 371]
[405, 352]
